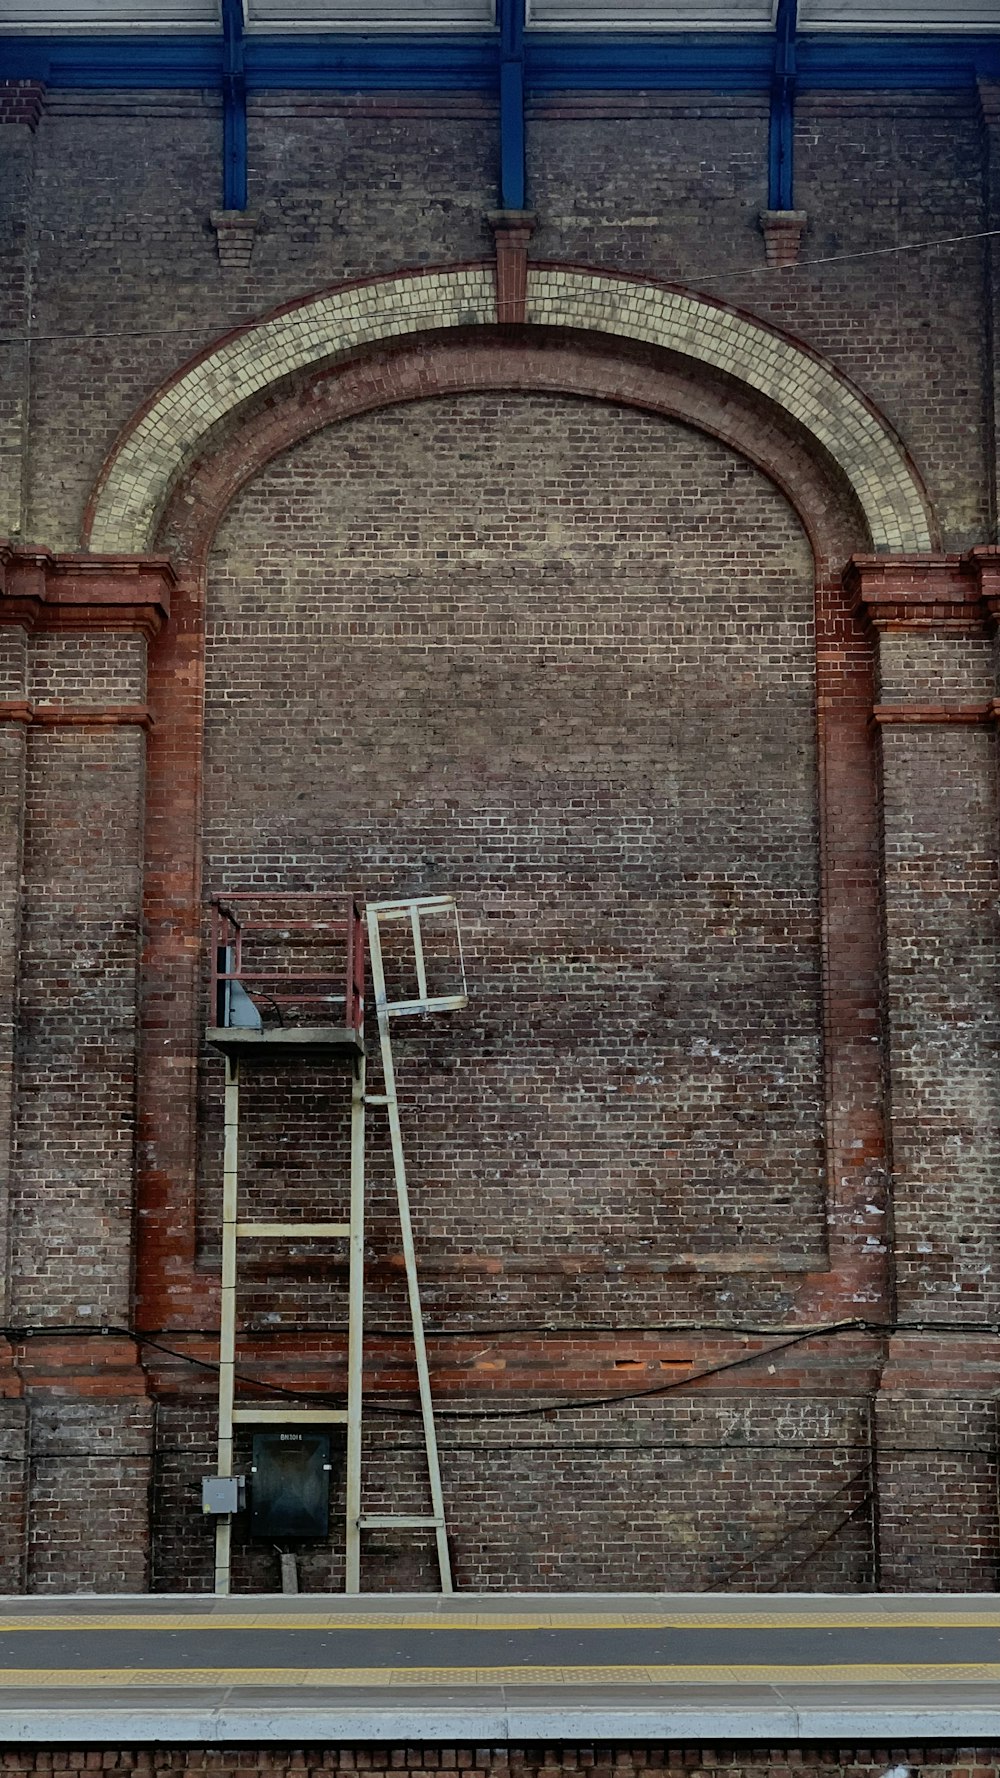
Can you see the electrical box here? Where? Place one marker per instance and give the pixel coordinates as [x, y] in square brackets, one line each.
[223, 1493]
[290, 1485]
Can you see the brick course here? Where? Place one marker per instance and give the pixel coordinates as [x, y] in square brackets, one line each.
[533, 1761]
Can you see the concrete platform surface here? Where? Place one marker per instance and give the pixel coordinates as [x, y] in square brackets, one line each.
[489, 1668]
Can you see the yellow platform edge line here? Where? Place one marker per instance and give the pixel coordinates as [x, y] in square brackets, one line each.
[867, 1674]
[977, 1620]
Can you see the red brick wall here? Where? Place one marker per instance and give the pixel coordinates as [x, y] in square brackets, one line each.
[500, 1762]
[589, 709]
[565, 665]
[581, 696]
[671, 185]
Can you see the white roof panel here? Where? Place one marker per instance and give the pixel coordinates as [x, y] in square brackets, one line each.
[652, 15]
[369, 15]
[862, 17]
[899, 15]
[95, 16]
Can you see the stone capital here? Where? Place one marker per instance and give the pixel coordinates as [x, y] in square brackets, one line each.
[942, 594]
[43, 591]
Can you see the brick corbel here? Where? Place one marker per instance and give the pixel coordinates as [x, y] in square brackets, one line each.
[945, 595]
[42, 591]
[782, 231]
[235, 233]
[512, 230]
[22, 102]
[984, 562]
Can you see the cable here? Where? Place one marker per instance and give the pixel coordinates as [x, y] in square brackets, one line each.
[328, 1398]
[808, 1557]
[512, 1330]
[688, 280]
[523, 1413]
[629, 1447]
[786, 1537]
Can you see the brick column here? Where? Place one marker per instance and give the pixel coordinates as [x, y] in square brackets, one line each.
[941, 881]
[989, 96]
[512, 230]
[88, 622]
[20, 111]
[15, 622]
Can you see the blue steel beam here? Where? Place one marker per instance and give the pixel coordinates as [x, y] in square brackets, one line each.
[467, 62]
[234, 108]
[781, 128]
[510, 17]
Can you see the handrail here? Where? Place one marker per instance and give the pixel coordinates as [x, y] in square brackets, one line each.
[236, 943]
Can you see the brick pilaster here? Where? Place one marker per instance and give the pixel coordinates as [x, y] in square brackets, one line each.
[21, 104]
[512, 230]
[989, 95]
[77, 629]
[934, 716]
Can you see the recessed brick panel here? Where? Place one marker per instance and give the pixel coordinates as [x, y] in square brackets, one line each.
[572, 696]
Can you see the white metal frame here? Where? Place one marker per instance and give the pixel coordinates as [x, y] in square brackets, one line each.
[235, 1230]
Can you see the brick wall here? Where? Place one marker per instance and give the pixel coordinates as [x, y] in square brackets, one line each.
[511, 687]
[352, 189]
[560, 656]
[498, 1762]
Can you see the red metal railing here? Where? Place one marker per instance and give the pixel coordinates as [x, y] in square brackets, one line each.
[299, 951]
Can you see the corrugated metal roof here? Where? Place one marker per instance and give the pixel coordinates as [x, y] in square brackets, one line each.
[859, 17]
[652, 15]
[110, 15]
[899, 15]
[326, 15]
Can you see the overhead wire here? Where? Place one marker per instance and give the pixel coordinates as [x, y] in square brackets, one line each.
[686, 279]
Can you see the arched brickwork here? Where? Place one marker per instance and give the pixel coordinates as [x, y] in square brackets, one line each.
[171, 1286]
[469, 360]
[174, 426]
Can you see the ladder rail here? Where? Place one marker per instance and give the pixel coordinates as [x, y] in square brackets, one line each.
[227, 1316]
[382, 1014]
[355, 1334]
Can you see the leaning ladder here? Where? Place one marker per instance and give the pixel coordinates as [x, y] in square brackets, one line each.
[380, 913]
[233, 1413]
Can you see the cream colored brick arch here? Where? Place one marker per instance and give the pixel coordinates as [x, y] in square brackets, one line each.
[171, 431]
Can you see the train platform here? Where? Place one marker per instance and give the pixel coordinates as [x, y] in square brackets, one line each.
[488, 1669]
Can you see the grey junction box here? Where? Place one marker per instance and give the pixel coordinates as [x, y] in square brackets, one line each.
[222, 1493]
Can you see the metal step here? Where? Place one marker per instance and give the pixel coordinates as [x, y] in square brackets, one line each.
[406, 1522]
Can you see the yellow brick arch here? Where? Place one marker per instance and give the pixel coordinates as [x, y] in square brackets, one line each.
[173, 428]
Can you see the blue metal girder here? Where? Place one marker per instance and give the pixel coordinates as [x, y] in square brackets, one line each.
[781, 125]
[234, 108]
[469, 62]
[510, 18]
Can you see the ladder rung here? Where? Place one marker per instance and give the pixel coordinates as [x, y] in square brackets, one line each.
[434, 1003]
[289, 1416]
[289, 1231]
[377, 1099]
[404, 1522]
